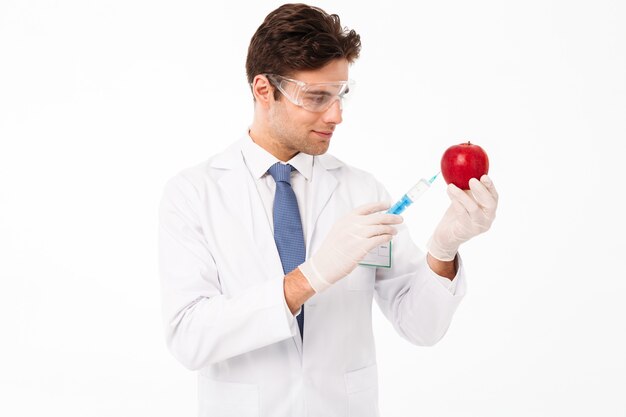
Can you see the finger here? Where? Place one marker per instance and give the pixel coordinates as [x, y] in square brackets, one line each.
[483, 196]
[382, 218]
[456, 194]
[486, 180]
[372, 207]
[379, 240]
[458, 208]
[470, 205]
[377, 230]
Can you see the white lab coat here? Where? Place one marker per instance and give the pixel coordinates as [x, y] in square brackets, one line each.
[224, 308]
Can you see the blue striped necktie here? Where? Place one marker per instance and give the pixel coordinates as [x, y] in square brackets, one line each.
[287, 225]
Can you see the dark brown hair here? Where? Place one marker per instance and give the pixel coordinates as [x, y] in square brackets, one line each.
[298, 37]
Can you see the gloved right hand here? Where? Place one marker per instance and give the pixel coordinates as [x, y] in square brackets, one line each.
[470, 213]
[350, 239]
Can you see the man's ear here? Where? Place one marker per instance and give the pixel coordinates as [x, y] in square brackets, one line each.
[262, 90]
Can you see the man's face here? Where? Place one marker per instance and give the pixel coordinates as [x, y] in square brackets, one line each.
[295, 129]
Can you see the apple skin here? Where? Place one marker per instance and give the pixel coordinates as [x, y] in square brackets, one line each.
[462, 162]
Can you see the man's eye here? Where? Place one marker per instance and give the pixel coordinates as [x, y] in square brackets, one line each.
[317, 98]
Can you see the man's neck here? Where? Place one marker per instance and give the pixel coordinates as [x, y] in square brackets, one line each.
[271, 145]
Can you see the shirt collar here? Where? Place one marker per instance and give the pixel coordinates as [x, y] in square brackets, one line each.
[259, 160]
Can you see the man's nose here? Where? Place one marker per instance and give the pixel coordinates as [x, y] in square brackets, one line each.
[334, 113]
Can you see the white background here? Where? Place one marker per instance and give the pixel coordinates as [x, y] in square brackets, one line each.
[102, 101]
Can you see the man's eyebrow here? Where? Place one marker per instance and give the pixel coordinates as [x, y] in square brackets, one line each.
[320, 92]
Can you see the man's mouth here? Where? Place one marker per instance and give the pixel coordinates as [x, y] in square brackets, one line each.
[324, 134]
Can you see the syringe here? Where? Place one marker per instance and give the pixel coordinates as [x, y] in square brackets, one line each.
[412, 195]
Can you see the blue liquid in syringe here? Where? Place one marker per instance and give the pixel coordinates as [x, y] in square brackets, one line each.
[412, 195]
[401, 205]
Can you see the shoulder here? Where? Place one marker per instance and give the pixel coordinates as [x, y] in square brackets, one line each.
[350, 176]
[339, 167]
[197, 177]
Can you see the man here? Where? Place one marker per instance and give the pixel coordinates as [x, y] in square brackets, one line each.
[259, 245]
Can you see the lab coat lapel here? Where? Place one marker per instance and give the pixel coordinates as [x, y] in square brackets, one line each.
[323, 185]
[244, 202]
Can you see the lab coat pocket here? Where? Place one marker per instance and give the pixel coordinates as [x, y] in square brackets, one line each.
[361, 279]
[227, 399]
[362, 390]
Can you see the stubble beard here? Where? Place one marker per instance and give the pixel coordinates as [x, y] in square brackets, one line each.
[294, 139]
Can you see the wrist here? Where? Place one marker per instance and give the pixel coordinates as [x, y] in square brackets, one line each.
[444, 253]
[445, 269]
[297, 290]
[313, 276]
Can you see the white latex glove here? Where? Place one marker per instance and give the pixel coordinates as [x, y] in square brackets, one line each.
[470, 213]
[350, 239]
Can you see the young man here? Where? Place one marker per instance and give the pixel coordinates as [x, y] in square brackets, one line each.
[259, 245]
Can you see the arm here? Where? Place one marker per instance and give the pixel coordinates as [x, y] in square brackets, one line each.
[297, 290]
[420, 308]
[202, 325]
[411, 296]
[447, 269]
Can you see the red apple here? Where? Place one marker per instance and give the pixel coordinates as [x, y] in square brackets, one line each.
[462, 162]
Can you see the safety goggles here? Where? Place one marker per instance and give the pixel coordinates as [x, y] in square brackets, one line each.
[315, 97]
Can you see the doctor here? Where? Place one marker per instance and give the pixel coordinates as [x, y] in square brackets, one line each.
[259, 245]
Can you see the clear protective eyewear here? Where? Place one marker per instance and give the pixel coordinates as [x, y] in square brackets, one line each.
[315, 97]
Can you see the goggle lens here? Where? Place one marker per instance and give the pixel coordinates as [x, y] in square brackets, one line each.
[315, 97]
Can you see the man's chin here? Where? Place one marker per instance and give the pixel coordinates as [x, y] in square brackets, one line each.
[317, 150]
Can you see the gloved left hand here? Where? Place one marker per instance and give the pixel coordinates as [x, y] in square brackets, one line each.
[470, 213]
